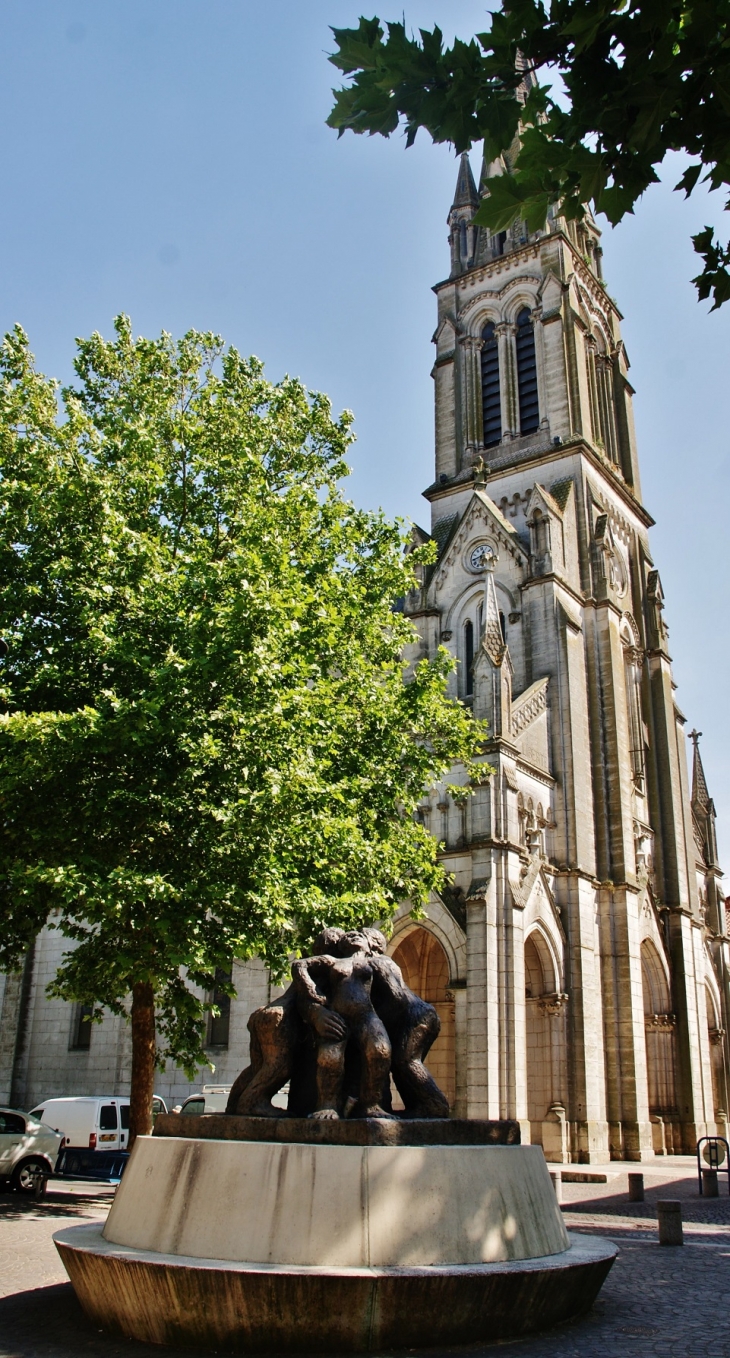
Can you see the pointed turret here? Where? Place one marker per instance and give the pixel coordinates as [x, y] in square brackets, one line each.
[703, 807]
[493, 670]
[462, 235]
[467, 194]
[492, 638]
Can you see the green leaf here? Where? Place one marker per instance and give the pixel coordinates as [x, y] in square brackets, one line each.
[208, 746]
[638, 82]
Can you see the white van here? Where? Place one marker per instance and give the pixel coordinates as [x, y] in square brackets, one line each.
[94, 1124]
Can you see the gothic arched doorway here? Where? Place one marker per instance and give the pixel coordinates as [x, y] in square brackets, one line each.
[546, 1058]
[659, 1023]
[425, 968]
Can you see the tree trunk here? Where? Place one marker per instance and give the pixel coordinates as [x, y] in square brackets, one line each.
[143, 1061]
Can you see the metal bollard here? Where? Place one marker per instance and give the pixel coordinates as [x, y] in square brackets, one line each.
[636, 1188]
[669, 1213]
[709, 1184]
[557, 1182]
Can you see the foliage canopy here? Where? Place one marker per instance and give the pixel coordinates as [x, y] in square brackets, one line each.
[207, 747]
[641, 78]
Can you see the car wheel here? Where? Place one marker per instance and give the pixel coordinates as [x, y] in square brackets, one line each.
[30, 1176]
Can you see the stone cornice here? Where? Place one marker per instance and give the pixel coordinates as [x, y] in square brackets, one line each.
[534, 771]
[577, 445]
[551, 578]
[581, 873]
[480, 272]
[531, 250]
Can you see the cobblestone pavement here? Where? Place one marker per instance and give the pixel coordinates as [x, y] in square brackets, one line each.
[656, 1303]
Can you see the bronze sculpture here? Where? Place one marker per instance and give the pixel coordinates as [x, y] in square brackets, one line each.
[346, 1024]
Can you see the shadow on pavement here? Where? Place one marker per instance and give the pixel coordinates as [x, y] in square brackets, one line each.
[49, 1323]
[715, 1211]
[54, 1203]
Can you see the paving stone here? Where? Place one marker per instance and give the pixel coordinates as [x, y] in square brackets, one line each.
[656, 1303]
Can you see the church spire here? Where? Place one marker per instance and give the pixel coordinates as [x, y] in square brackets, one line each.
[492, 639]
[703, 807]
[700, 796]
[467, 194]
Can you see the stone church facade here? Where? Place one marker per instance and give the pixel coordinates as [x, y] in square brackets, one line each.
[585, 928]
[579, 956]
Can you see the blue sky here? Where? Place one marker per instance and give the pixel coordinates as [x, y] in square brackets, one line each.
[169, 158]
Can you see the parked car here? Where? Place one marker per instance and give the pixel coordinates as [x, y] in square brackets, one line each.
[211, 1099]
[29, 1150]
[95, 1132]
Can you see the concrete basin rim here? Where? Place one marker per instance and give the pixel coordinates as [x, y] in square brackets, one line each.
[583, 1249]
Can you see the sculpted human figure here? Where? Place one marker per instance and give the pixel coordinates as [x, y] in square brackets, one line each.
[277, 1038]
[412, 1025]
[347, 1018]
[328, 986]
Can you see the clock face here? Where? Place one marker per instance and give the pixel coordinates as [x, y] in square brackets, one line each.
[480, 557]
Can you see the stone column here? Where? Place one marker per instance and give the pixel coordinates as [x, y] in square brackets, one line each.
[472, 396]
[458, 992]
[505, 332]
[519, 1015]
[676, 881]
[627, 1089]
[482, 1004]
[587, 1096]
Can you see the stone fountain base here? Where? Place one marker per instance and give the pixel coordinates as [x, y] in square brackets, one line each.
[211, 1303]
[268, 1245]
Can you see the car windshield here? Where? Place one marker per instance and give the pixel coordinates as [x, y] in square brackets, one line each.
[108, 1118]
[193, 1106]
[124, 1115]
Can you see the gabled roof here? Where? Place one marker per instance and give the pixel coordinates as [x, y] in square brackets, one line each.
[455, 534]
[540, 493]
[496, 513]
[560, 491]
[443, 531]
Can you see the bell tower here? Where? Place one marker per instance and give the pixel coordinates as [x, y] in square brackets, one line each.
[583, 897]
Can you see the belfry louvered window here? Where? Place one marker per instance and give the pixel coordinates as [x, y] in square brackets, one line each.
[491, 404]
[468, 658]
[527, 374]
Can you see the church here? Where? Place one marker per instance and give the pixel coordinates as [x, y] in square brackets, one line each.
[578, 956]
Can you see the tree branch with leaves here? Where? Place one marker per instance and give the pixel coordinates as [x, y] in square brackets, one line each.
[639, 80]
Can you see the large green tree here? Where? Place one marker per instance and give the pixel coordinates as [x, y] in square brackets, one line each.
[636, 79]
[208, 744]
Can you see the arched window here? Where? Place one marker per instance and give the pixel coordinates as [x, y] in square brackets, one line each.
[491, 404]
[468, 658]
[503, 627]
[603, 405]
[660, 1043]
[527, 374]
